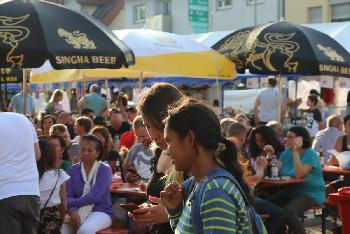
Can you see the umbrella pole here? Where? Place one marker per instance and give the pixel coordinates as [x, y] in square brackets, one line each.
[279, 78]
[141, 79]
[218, 95]
[296, 101]
[107, 95]
[24, 91]
[5, 94]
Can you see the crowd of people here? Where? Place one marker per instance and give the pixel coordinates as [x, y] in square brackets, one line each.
[200, 173]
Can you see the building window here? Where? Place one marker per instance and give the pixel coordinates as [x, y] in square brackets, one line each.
[139, 14]
[341, 12]
[255, 2]
[223, 4]
[315, 15]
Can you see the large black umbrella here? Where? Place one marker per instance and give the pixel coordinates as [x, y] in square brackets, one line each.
[285, 48]
[32, 31]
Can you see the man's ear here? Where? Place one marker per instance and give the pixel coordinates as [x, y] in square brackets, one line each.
[190, 138]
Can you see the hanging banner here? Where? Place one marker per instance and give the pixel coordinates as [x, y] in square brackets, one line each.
[198, 15]
[344, 83]
[326, 82]
[253, 83]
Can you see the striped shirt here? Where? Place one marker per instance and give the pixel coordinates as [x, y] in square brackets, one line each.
[222, 210]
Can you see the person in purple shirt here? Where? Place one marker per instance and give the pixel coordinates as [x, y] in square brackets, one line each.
[88, 197]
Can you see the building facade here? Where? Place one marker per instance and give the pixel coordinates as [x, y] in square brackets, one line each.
[317, 11]
[180, 16]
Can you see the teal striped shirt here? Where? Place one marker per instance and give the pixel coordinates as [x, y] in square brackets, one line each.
[222, 210]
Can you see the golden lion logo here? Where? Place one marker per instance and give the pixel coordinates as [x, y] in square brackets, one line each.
[12, 34]
[77, 39]
[330, 53]
[239, 44]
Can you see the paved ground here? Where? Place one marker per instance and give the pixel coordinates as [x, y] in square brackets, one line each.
[313, 223]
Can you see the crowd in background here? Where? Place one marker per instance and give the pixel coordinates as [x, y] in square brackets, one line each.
[162, 142]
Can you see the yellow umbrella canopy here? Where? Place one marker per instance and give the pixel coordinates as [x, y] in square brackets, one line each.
[156, 54]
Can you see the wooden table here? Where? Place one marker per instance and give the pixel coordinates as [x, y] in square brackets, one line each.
[128, 190]
[275, 183]
[335, 170]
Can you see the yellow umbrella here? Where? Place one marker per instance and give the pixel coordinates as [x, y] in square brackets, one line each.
[157, 54]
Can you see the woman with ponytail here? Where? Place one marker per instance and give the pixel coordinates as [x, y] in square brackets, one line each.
[195, 144]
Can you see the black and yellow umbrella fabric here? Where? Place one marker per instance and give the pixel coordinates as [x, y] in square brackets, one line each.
[9, 75]
[285, 48]
[32, 31]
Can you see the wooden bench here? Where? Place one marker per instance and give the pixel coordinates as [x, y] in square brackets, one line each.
[113, 230]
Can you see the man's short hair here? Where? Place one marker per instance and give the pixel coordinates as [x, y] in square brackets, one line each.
[137, 123]
[62, 114]
[225, 123]
[131, 109]
[57, 128]
[114, 110]
[99, 120]
[272, 81]
[93, 88]
[86, 111]
[236, 130]
[333, 120]
[85, 122]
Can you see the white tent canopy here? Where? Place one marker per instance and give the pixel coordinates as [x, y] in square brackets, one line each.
[340, 31]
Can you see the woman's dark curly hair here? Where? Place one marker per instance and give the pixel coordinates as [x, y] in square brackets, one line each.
[269, 137]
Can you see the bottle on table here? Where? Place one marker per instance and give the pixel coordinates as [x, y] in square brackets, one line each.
[268, 167]
[274, 167]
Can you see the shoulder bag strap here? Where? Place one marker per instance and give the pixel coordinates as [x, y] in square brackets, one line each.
[58, 176]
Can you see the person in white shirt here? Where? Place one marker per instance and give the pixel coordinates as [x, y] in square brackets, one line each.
[314, 121]
[327, 137]
[19, 179]
[266, 104]
[52, 189]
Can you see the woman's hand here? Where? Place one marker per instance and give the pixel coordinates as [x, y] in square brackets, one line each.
[298, 144]
[150, 214]
[75, 220]
[172, 195]
[260, 163]
[269, 150]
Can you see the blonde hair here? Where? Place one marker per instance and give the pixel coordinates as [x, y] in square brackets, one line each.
[174, 175]
[55, 95]
[333, 121]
